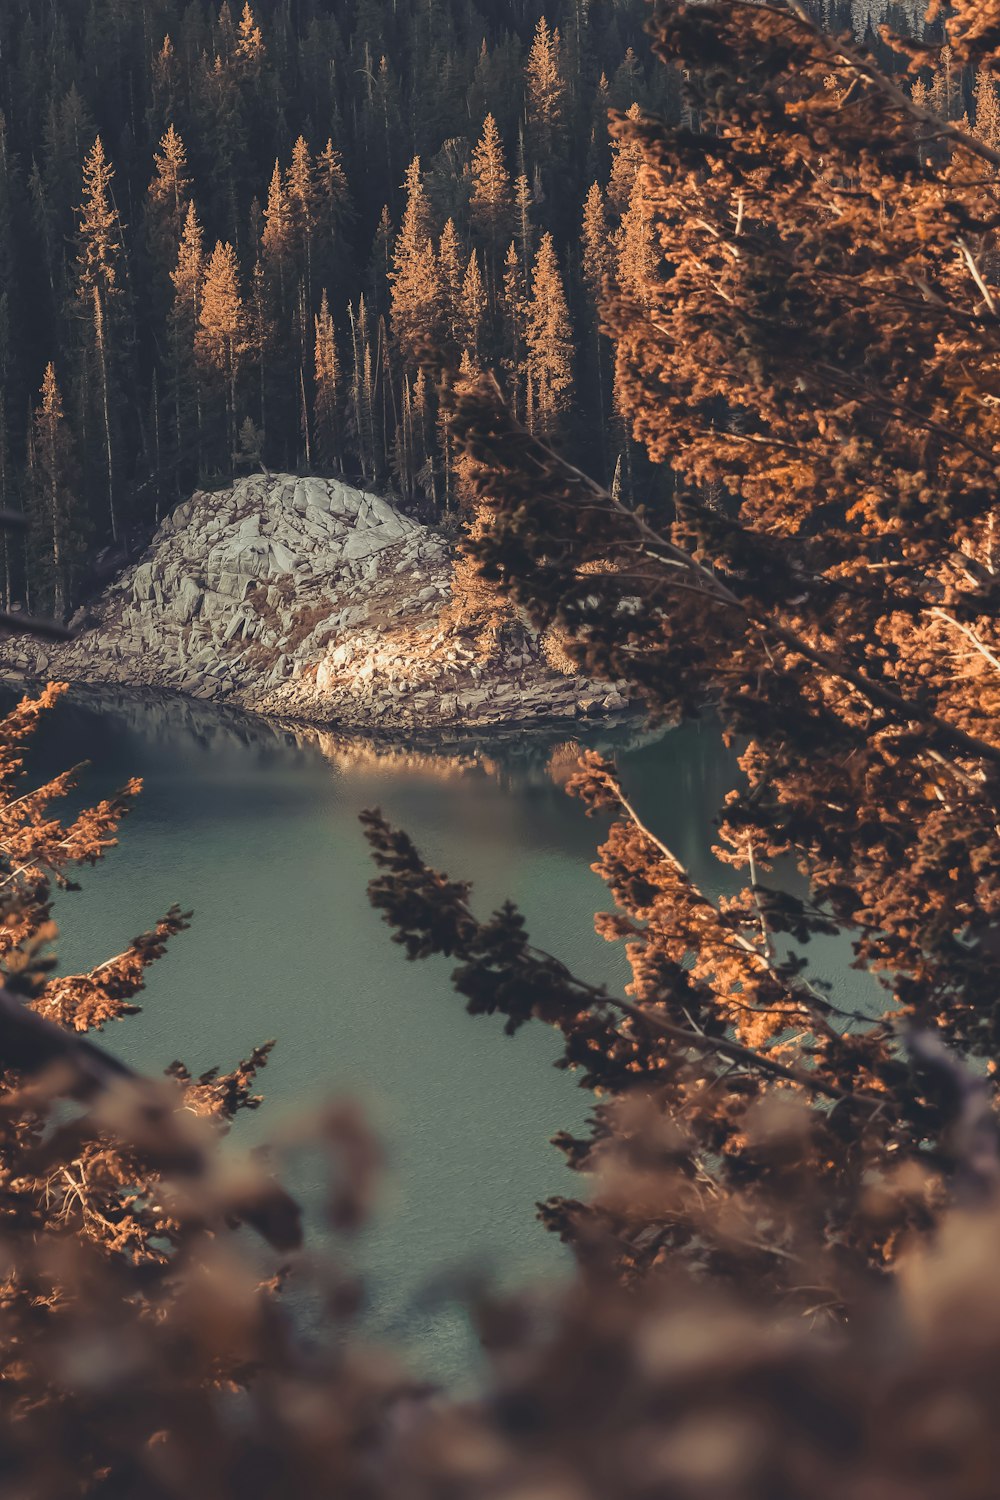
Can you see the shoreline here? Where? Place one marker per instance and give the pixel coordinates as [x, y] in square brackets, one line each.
[99, 693]
[305, 600]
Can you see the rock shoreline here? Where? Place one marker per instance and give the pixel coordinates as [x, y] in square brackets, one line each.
[308, 600]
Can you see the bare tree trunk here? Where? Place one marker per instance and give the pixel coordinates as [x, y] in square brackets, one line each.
[99, 332]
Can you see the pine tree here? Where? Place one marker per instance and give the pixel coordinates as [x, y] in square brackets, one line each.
[302, 196]
[626, 81]
[473, 309]
[416, 297]
[524, 231]
[450, 276]
[417, 226]
[626, 159]
[165, 85]
[278, 232]
[326, 391]
[595, 245]
[513, 319]
[56, 518]
[379, 271]
[596, 265]
[222, 114]
[169, 191]
[99, 296]
[225, 32]
[361, 403]
[545, 98]
[635, 251]
[185, 317]
[598, 145]
[334, 215]
[403, 464]
[220, 339]
[987, 105]
[167, 203]
[249, 51]
[99, 232]
[423, 424]
[491, 205]
[260, 331]
[945, 92]
[549, 339]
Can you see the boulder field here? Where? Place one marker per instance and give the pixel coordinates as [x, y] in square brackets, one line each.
[307, 599]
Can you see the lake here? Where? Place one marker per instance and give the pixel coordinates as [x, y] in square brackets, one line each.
[256, 830]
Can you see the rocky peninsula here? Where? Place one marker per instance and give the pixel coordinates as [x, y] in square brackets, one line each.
[309, 600]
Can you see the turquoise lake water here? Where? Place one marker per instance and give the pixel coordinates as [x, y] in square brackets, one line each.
[258, 834]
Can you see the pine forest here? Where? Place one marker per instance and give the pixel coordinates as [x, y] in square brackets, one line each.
[464, 463]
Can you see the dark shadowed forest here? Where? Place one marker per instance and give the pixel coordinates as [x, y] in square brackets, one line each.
[231, 236]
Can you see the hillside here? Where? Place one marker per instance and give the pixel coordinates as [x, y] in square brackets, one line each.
[307, 599]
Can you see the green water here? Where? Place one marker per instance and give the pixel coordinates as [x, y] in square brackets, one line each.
[259, 836]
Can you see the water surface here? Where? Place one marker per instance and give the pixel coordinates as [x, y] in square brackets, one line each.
[259, 835]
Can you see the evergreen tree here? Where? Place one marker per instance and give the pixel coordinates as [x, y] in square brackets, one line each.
[58, 532]
[326, 391]
[596, 265]
[491, 205]
[417, 298]
[335, 215]
[261, 332]
[945, 89]
[361, 405]
[513, 320]
[549, 340]
[379, 271]
[987, 110]
[595, 246]
[221, 122]
[220, 340]
[472, 309]
[302, 199]
[249, 51]
[635, 251]
[167, 202]
[165, 86]
[546, 99]
[278, 239]
[450, 276]
[626, 160]
[524, 229]
[99, 296]
[185, 319]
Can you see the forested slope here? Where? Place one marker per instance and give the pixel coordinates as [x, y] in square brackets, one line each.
[235, 232]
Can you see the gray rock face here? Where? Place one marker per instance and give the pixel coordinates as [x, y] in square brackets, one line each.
[306, 599]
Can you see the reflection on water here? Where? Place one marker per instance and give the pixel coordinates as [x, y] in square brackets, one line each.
[255, 828]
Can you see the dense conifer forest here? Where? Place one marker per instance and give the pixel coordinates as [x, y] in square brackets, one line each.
[238, 236]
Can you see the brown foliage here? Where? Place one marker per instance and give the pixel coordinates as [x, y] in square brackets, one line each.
[813, 349]
[95, 1174]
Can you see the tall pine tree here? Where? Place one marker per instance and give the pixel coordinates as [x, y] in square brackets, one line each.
[549, 339]
[58, 531]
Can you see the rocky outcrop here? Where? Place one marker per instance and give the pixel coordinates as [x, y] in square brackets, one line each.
[307, 599]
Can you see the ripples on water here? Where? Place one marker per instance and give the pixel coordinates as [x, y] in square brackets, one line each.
[256, 829]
